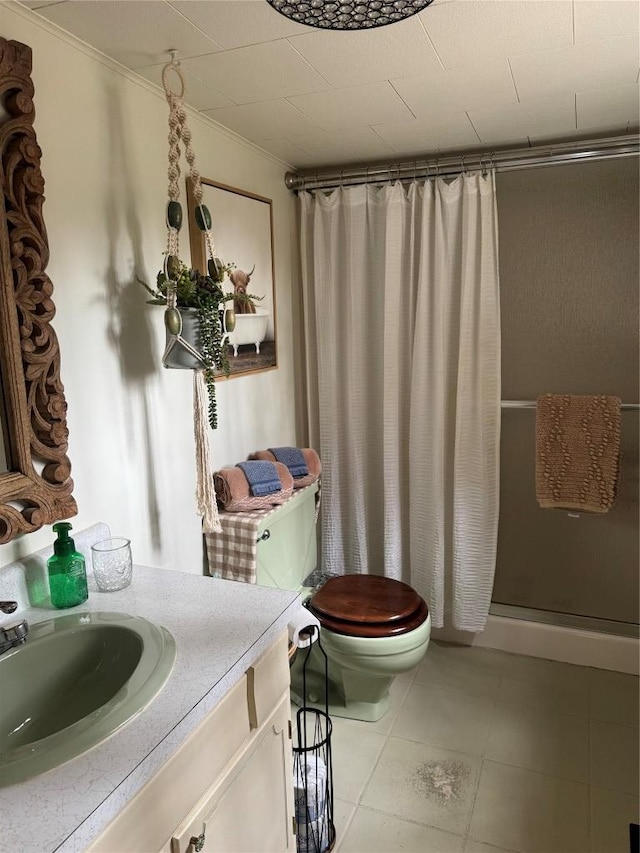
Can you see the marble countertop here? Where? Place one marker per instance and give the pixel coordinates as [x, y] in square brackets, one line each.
[220, 628]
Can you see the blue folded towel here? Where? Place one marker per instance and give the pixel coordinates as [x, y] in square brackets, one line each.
[293, 458]
[262, 477]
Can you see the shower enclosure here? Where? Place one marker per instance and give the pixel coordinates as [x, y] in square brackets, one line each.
[569, 302]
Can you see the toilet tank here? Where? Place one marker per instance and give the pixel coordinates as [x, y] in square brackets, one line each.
[289, 552]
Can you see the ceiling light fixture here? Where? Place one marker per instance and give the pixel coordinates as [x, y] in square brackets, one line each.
[348, 14]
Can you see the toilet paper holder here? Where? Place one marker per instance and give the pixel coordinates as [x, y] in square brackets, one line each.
[313, 766]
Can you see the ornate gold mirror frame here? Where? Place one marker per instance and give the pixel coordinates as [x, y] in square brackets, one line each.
[37, 488]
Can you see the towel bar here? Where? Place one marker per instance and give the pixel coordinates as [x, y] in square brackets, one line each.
[531, 404]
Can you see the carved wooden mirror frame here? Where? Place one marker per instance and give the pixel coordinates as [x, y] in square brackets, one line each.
[37, 488]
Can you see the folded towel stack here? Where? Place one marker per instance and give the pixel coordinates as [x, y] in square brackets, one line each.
[262, 477]
[303, 463]
[235, 493]
[293, 458]
[577, 452]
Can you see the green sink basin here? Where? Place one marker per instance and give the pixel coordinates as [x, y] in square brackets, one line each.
[76, 680]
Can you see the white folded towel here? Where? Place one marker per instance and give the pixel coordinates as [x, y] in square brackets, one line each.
[303, 619]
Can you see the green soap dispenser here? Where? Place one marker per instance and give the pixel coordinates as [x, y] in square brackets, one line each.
[67, 572]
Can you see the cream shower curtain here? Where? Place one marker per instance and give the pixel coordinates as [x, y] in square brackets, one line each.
[402, 333]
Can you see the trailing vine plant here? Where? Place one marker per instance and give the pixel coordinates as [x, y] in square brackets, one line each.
[206, 295]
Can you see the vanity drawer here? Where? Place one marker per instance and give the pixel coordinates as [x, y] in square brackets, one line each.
[267, 679]
[151, 816]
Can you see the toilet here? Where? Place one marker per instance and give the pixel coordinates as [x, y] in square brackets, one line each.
[373, 628]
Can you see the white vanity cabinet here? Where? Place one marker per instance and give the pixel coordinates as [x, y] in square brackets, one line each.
[229, 788]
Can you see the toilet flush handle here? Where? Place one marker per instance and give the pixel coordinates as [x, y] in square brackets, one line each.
[266, 535]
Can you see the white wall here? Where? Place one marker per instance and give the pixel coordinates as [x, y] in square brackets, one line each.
[103, 133]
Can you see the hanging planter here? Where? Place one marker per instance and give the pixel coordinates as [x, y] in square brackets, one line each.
[199, 315]
[200, 320]
[179, 358]
[197, 320]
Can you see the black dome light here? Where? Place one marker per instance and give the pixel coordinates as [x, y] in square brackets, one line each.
[348, 14]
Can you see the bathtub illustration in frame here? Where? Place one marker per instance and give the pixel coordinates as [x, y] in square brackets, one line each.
[242, 229]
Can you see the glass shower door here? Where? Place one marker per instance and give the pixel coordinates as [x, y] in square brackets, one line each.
[569, 304]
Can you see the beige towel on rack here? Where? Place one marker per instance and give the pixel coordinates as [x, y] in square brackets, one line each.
[577, 452]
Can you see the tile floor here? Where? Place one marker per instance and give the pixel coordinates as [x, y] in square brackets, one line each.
[483, 752]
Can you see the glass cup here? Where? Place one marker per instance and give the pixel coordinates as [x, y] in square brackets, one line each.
[112, 564]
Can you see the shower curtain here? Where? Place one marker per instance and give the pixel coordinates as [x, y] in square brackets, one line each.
[402, 331]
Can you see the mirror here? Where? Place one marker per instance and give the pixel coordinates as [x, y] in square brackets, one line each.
[4, 434]
[35, 483]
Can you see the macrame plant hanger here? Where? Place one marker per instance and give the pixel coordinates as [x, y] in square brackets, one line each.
[178, 130]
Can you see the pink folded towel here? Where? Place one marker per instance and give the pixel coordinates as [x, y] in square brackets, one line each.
[234, 495]
[310, 457]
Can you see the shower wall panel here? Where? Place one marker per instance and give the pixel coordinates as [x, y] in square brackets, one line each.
[569, 278]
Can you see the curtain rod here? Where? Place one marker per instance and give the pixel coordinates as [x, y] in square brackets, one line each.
[446, 166]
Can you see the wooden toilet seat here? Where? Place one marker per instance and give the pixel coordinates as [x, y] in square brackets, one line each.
[368, 606]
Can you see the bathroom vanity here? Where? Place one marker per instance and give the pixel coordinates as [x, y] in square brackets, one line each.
[228, 787]
[208, 764]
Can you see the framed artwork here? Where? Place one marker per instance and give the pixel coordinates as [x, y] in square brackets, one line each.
[242, 229]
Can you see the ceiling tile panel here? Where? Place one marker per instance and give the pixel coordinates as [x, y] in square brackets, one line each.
[265, 120]
[533, 118]
[469, 32]
[600, 65]
[588, 133]
[608, 107]
[288, 152]
[197, 94]
[602, 19]
[351, 145]
[236, 23]
[134, 32]
[261, 72]
[444, 131]
[356, 106]
[348, 59]
[457, 89]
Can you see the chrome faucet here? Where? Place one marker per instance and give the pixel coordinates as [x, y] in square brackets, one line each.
[14, 634]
